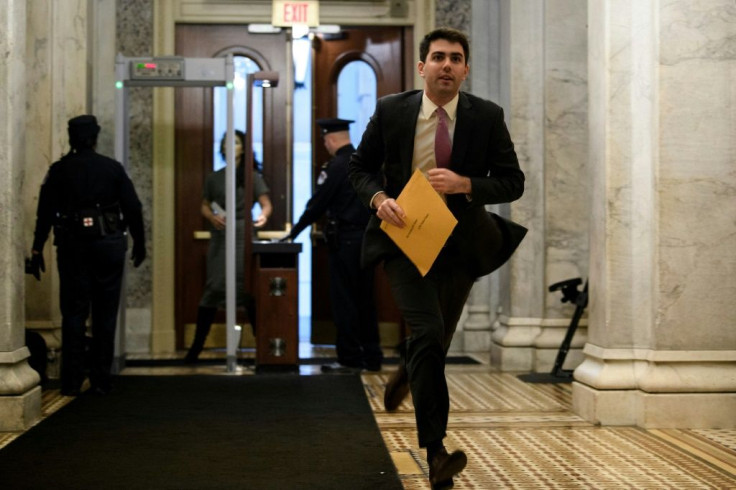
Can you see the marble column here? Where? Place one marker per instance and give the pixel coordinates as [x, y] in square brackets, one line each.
[522, 300]
[566, 175]
[20, 395]
[661, 350]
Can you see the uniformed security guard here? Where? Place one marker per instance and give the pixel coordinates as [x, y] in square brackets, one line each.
[351, 286]
[90, 201]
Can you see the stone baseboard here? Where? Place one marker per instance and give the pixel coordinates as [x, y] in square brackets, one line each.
[655, 410]
[20, 412]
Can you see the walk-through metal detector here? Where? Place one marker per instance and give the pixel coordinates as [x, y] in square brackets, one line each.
[175, 71]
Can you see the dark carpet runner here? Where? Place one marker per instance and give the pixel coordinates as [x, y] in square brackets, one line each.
[208, 432]
[211, 361]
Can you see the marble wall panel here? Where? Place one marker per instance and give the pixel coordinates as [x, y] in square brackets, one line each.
[134, 19]
[623, 164]
[696, 176]
[662, 149]
[566, 168]
[455, 14]
[56, 84]
[526, 124]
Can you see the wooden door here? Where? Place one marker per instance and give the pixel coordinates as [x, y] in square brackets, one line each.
[194, 158]
[389, 52]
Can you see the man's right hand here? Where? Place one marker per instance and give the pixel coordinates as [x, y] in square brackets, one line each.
[389, 210]
[35, 265]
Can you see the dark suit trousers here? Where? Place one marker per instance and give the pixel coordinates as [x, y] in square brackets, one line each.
[431, 306]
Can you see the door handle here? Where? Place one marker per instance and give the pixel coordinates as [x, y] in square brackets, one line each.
[202, 235]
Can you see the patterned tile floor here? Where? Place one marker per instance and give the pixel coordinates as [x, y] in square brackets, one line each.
[523, 436]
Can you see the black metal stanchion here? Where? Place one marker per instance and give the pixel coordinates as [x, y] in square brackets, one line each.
[570, 294]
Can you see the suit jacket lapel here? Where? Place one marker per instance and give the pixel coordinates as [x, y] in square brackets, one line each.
[465, 121]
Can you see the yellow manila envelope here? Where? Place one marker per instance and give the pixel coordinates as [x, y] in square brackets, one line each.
[427, 225]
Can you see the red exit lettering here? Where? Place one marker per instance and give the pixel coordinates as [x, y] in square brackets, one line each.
[296, 13]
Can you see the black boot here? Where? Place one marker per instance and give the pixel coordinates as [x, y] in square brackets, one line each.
[205, 317]
[250, 305]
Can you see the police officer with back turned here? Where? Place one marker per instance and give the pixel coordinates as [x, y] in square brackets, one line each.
[90, 201]
[351, 286]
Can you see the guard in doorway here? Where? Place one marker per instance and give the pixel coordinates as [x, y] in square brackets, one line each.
[351, 286]
[90, 202]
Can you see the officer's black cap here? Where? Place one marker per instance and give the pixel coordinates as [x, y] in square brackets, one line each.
[334, 124]
[83, 122]
[82, 128]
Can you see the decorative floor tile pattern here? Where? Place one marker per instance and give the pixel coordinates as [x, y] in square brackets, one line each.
[524, 436]
[692, 442]
[724, 437]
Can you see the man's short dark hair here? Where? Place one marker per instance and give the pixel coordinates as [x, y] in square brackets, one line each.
[448, 34]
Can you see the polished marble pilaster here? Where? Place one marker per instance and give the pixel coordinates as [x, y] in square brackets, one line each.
[566, 173]
[20, 396]
[522, 280]
[661, 350]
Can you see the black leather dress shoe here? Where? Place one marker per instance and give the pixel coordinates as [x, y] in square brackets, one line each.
[443, 485]
[444, 466]
[396, 389]
[372, 367]
[98, 390]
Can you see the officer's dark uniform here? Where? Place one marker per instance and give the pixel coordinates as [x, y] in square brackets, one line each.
[351, 286]
[89, 200]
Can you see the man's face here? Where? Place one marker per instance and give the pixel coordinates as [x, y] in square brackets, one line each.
[444, 70]
[329, 141]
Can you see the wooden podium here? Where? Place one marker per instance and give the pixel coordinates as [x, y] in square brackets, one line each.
[275, 286]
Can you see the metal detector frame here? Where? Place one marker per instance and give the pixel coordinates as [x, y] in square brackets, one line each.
[176, 71]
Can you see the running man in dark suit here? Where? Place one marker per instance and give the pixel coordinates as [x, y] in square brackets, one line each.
[482, 169]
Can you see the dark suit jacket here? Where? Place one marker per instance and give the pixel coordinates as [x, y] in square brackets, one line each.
[482, 150]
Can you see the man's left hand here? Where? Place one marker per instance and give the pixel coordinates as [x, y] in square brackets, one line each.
[448, 182]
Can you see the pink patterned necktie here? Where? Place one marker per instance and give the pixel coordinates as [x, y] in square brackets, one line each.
[442, 144]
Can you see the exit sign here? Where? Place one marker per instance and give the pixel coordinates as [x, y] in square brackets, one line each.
[288, 13]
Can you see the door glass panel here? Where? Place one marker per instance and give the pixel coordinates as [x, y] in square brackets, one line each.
[302, 174]
[243, 65]
[356, 96]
